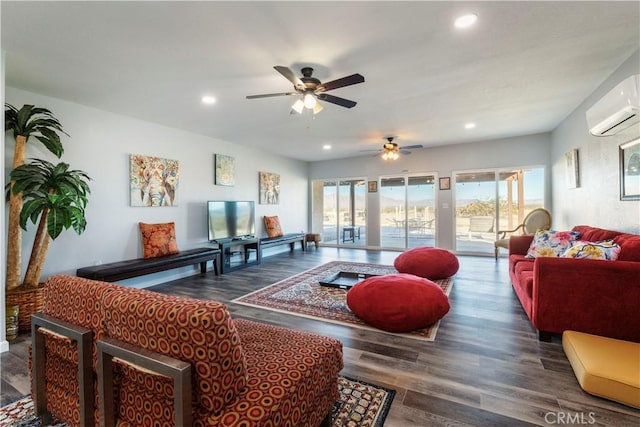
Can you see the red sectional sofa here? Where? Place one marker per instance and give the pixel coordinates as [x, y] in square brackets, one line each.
[593, 296]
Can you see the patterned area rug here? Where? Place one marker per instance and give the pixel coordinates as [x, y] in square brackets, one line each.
[360, 405]
[302, 295]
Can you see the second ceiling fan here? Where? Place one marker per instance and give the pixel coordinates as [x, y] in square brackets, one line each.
[391, 151]
[312, 90]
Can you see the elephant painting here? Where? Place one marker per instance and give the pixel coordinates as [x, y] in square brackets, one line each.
[154, 181]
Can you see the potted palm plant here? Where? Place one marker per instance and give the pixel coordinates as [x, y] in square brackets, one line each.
[26, 122]
[53, 196]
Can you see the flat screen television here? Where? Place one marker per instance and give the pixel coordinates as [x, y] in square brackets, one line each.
[230, 219]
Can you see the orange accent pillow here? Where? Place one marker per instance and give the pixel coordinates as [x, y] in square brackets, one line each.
[158, 239]
[272, 224]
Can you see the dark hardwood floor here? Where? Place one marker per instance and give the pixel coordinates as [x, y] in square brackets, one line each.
[485, 367]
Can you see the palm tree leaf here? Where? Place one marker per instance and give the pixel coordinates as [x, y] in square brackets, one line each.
[60, 169]
[54, 146]
[31, 210]
[55, 222]
[78, 221]
[23, 117]
[43, 111]
[10, 117]
[39, 124]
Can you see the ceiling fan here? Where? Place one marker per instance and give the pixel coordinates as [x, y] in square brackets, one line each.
[311, 90]
[391, 151]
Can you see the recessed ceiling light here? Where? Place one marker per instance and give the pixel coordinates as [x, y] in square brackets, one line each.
[469, 125]
[207, 99]
[466, 21]
[326, 147]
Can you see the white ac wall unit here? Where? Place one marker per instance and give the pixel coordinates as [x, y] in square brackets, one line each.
[617, 110]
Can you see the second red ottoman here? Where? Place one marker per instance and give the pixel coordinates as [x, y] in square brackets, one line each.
[431, 263]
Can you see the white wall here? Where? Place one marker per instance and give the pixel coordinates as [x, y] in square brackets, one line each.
[530, 150]
[4, 344]
[597, 201]
[100, 144]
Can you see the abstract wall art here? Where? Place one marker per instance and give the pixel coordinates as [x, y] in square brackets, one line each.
[225, 170]
[269, 188]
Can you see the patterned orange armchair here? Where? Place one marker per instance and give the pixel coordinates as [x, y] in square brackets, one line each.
[63, 351]
[242, 373]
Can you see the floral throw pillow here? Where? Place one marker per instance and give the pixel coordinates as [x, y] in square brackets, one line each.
[551, 243]
[272, 224]
[605, 250]
[158, 239]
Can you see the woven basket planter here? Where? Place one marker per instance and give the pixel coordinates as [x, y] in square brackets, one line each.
[30, 302]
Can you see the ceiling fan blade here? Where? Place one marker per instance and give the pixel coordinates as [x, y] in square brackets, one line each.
[405, 152]
[337, 100]
[267, 95]
[411, 146]
[290, 75]
[372, 149]
[345, 81]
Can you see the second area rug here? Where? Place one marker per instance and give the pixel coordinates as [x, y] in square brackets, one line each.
[360, 405]
[302, 295]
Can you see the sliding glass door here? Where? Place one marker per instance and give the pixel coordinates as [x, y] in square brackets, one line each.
[407, 211]
[488, 201]
[520, 191]
[475, 212]
[339, 211]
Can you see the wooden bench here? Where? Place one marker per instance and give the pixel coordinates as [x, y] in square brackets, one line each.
[290, 238]
[121, 270]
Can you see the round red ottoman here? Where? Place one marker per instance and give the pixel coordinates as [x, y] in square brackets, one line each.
[428, 262]
[398, 302]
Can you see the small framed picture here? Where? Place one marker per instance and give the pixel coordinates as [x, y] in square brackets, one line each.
[445, 183]
[373, 186]
[572, 168]
[630, 170]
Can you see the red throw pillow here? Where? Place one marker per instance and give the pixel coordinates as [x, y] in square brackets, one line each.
[272, 224]
[431, 263]
[158, 239]
[398, 302]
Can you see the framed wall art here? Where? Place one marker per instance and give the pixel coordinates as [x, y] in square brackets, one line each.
[373, 186]
[630, 170]
[225, 170]
[269, 188]
[153, 181]
[572, 168]
[445, 183]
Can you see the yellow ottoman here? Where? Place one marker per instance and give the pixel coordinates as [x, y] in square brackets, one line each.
[605, 367]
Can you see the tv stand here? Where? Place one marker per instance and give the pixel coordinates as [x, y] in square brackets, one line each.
[238, 253]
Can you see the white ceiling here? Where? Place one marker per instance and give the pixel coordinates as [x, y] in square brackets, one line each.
[520, 70]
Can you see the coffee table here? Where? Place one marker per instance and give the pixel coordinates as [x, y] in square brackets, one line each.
[344, 279]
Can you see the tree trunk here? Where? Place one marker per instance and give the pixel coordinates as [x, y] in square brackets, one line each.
[14, 240]
[38, 253]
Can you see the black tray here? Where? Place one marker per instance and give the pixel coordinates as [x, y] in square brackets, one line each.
[344, 279]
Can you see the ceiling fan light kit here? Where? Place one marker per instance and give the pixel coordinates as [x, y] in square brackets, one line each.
[391, 151]
[297, 107]
[390, 155]
[312, 90]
